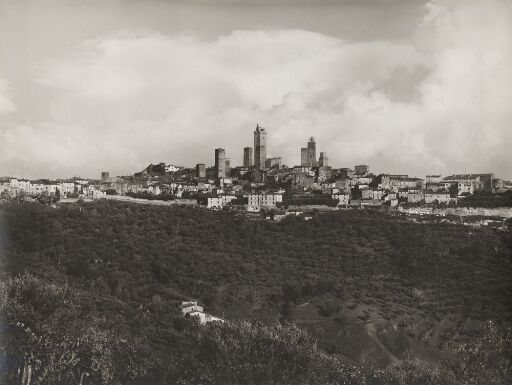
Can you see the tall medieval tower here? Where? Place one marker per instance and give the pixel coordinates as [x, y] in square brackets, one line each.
[260, 151]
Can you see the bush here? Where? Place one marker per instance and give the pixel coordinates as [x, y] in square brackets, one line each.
[245, 353]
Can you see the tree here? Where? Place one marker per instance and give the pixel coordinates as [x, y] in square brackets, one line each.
[454, 190]
[486, 360]
[49, 338]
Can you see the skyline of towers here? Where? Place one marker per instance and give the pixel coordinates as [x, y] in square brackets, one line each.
[260, 150]
[220, 163]
[256, 157]
[248, 157]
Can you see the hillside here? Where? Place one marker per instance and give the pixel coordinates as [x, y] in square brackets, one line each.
[373, 290]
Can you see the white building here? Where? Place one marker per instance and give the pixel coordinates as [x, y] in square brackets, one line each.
[204, 317]
[189, 307]
[343, 199]
[433, 178]
[43, 186]
[257, 202]
[96, 194]
[218, 202]
[67, 188]
[214, 203]
[172, 168]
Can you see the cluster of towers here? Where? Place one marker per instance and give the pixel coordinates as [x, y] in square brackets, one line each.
[253, 157]
[308, 156]
[256, 157]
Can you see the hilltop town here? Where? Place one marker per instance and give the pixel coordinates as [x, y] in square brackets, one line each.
[265, 184]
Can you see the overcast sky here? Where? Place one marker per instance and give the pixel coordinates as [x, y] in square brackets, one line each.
[405, 86]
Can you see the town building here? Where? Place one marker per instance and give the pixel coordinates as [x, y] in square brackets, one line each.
[304, 156]
[312, 152]
[501, 185]
[220, 163]
[302, 181]
[466, 187]
[343, 184]
[263, 201]
[482, 182]
[414, 196]
[96, 193]
[260, 151]
[372, 194]
[273, 162]
[214, 203]
[248, 157]
[344, 173]
[67, 188]
[361, 169]
[435, 186]
[397, 182]
[343, 199]
[432, 197]
[324, 160]
[43, 186]
[172, 168]
[190, 309]
[20, 186]
[227, 199]
[361, 180]
[201, 171]
[433, 179]
[323, 174]
[228, 167]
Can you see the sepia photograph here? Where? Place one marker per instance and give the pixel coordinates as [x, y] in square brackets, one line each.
[256, 192]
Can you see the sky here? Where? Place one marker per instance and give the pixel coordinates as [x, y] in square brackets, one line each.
[405, 86]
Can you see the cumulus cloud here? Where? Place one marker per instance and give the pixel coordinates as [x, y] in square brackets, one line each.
[434, 103]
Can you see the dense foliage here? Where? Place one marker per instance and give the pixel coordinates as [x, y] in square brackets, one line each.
[487, 199]
[99, 304]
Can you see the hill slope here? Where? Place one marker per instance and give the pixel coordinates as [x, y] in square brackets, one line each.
[372, 289]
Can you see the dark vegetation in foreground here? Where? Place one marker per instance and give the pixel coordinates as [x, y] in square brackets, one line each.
[349, 298]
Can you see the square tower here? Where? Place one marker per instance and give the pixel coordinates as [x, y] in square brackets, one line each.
[260, 150]
[220, 163]
[248, 157]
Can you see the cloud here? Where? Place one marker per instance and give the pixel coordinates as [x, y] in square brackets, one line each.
[178, 94]
[434, 103]
[6, 105]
